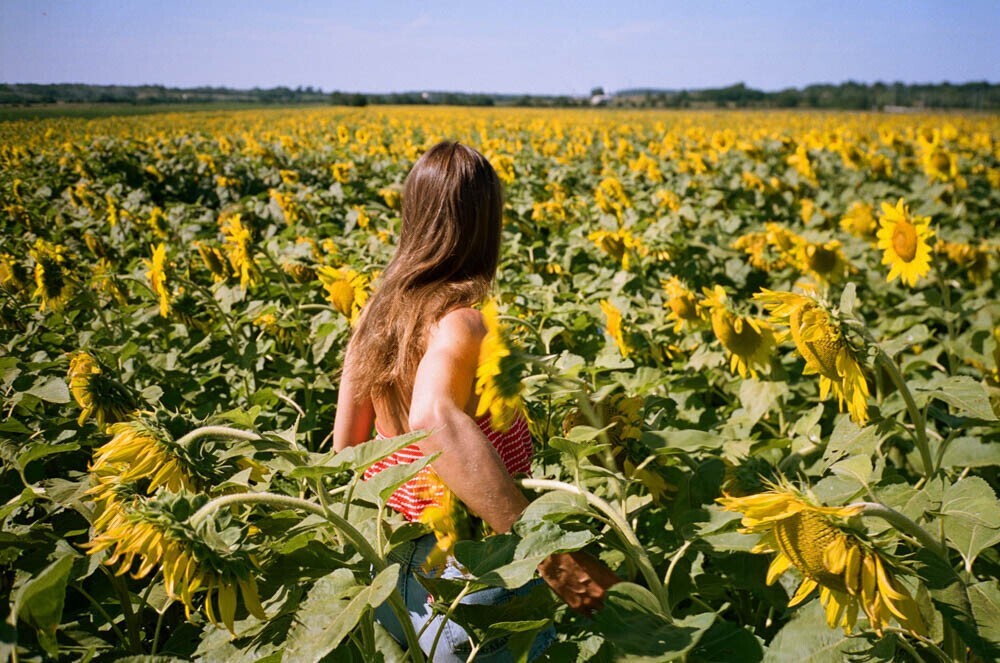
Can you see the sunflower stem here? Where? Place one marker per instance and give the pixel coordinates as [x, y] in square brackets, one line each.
[300, 327]
[317, 307]
[674, 560]
[100, 609]
[919, 425]
[634, 548]
[217, 431]
[948, 320]
[903, 524]
[274, 499]
[446, 618]
[342, 525]
[131, 622]
[159, 626]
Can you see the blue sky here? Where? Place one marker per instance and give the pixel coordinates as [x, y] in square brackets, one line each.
[539, 47]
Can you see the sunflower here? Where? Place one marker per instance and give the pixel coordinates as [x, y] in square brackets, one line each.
[151, 536]
[683, 304]
[611, 198]
[904, 239]
[215, 261]
[300, 272]
[755, 246]
[851, 574]
[104, 279]
[824, 261]
[287, 205]
[13, 275]
[939, 164]
[623, 415]
[749, 341]
[620, 245]
[52, 278]
[447, 518]
[239, 248]
[975, 259]
[346, 289]
[614, 326]
[97, 394]
[819, 339]
[341, 171]
[859, 220]
[391, 196]
[800, 162]
[498, 375]
[157, 275]
[140, 449]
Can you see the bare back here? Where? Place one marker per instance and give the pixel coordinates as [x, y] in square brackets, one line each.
[452, 350]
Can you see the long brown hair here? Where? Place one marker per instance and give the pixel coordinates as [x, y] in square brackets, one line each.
[449, 247]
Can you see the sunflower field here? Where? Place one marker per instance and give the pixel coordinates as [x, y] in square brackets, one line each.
[758, 352]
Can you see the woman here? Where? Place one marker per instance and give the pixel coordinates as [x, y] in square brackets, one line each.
[411, 364]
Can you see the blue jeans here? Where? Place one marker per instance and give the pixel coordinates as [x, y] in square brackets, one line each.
[454, 644]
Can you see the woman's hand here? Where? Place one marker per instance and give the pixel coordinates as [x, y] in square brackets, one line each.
[578, 579]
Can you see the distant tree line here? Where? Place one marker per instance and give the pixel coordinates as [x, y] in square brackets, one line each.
[847, 96]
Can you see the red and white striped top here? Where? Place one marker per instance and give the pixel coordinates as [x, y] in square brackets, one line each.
[513, 445]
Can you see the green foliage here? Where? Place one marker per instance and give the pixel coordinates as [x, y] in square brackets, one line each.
[632, 450]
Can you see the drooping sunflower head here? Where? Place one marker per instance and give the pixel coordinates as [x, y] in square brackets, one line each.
[820, 339]
[614, 328]
[140, 449]
[157, 275]
[683, 304]
[975, 259]
[621, 245]
[749, 342]
[859, 220]
[851, 574]
[620, 411]
[939, 164]
[240, 249]
[13, 276]
[610, 196]
[824, 260]
[903, 237]
[215, 261]
[499, 373]
[53, 281]
[155, 533]
[346, 289]
[96, 393]
[299, 271]
[447, 518]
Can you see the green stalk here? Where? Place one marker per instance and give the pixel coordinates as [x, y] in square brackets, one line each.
[350, 532]
[903, 524]
[946, 297]
[675, 558]
[100, 609]
[446, 618]
[131, 622]
[919, 424]
[217, 431]
[159, 626]
[634, 549]
[291, 299]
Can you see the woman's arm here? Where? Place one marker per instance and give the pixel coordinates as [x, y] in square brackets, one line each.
[470, 466]
[353, 422]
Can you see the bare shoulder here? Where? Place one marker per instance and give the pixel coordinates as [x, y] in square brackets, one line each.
[459, 327]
